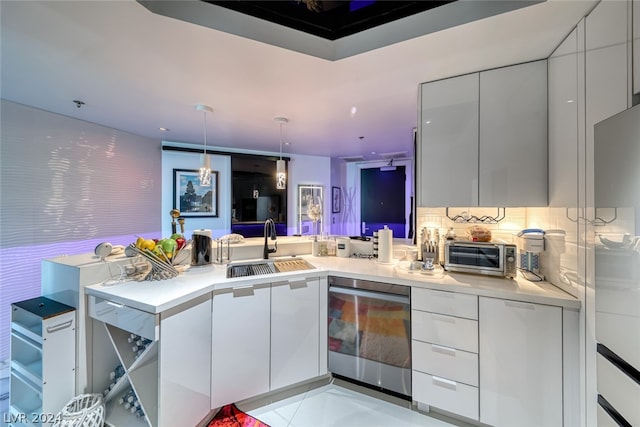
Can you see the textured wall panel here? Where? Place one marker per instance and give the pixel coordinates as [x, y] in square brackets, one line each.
[64, 185]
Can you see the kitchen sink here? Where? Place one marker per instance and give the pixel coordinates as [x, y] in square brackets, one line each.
[260, 267]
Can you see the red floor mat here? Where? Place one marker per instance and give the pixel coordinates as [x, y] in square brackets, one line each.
[231, 416]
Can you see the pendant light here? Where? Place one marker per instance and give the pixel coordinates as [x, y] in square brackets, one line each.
[205, 163]
[281, 165]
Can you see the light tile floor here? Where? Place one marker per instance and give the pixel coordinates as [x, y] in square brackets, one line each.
[335, 406]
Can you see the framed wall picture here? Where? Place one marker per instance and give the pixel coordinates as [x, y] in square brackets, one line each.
[336, 199]
[193, 199]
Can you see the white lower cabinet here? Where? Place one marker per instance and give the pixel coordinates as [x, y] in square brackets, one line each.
[449, 331]
[219, 348]
[452, 396]
[295, 331]
[456, 365]
[162, 358]
[266, 337]
[184, 358]
[240, 347]
[444, 350]
[520, 363]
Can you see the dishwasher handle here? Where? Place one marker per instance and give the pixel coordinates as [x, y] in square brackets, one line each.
[370, 294]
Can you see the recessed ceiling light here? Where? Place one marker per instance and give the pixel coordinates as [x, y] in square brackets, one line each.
[361, 138]
[373, 152]
[427, 122]
[165, 129]
[353, 111]
[570, 101]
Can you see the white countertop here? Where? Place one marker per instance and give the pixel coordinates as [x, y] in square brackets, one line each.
[158, 296]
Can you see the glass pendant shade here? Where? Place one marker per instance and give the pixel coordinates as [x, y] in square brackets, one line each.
[281, 165]
[205, 170]
[281, 174]
[205, 162]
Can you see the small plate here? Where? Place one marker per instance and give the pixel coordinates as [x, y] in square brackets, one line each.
[416, 267]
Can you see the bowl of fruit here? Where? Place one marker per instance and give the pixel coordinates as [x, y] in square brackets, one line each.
[168, 257]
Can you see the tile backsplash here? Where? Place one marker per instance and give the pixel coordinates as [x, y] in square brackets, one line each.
[515, 219]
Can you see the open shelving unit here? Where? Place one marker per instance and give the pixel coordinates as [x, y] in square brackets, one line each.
[42, 360]
[140, 374]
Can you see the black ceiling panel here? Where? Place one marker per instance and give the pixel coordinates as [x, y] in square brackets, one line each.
[330, 20]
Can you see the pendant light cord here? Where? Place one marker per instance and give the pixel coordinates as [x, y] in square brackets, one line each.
[205, 132]
[280, 140]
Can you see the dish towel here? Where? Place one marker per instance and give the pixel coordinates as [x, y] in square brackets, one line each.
[231, 416]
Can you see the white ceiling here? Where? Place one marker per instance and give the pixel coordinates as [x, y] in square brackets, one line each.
[138, 71]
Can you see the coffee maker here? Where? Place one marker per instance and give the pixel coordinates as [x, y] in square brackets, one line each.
[530, 245]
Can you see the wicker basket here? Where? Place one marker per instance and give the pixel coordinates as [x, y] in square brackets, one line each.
[85, 410]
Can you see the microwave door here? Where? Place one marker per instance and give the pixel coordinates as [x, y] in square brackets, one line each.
[487, 258]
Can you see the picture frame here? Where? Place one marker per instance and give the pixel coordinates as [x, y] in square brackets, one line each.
[193, 199]
[336, 199]
[308, 197]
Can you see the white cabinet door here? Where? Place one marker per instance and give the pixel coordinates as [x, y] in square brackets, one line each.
[607, 66]
[513, 136]
[448, 145]
[295, 331]
[185, 363]
[563, 124]
[240, 348]
[520, 364]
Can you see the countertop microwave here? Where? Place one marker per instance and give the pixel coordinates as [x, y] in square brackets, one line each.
[493, 259]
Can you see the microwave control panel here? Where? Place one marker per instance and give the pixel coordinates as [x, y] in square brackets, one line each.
[510, 268]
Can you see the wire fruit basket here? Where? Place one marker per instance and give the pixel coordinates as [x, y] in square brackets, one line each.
[85, 410]
[161, 266]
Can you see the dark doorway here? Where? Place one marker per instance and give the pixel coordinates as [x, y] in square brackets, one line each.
[382, 200]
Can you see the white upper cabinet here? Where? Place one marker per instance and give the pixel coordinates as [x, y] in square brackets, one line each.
[483, 139]
[513, 135]
[563, 123]
[448, 148]
[607, 62]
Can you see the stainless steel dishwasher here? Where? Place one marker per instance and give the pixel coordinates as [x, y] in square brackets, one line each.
[370, 334]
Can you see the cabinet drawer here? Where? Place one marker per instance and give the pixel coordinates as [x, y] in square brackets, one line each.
[449, 331]
[619, 389]
[605, 420]
[445, 394]
[445, 362]
[619, 333]
[130, 319]
[442, 302]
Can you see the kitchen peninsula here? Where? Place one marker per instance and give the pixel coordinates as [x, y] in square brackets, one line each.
[216, 340]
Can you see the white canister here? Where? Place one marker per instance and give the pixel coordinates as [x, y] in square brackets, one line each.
[385, 245]
[343, 247]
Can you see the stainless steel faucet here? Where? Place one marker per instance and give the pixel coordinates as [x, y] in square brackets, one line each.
[270, 231]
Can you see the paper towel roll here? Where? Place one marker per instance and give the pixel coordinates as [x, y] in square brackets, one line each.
[385, 245]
